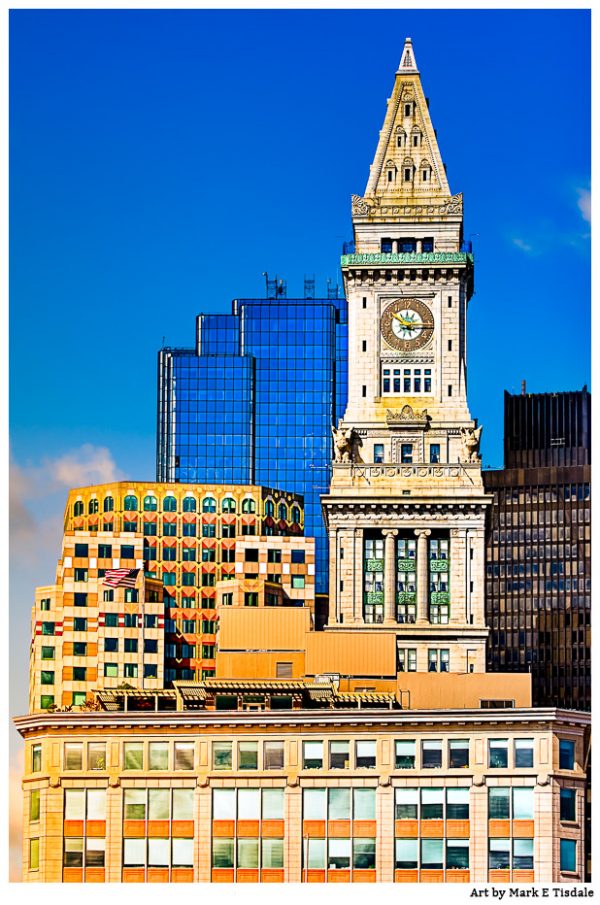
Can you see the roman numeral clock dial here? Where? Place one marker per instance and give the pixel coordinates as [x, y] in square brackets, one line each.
[407, 324]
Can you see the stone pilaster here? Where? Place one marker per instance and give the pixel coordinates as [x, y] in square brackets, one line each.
[333, 578]
[422, 575]
[478, 814]
[459, 568]
[293, 834]
[385, 833]
[389, 576]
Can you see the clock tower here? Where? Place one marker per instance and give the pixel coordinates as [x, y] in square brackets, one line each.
[406, 507]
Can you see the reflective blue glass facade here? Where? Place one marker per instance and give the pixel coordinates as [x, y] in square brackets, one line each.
[255, 402]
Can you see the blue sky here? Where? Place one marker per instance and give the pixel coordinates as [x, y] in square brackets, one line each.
[160, 161]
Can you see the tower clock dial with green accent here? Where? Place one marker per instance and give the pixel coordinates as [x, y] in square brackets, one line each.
[407, 324]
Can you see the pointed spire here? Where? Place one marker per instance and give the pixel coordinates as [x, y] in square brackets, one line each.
[408, 62]
[408, 163]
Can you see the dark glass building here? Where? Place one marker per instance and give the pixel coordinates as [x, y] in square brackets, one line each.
[255, 401]
[538, 560]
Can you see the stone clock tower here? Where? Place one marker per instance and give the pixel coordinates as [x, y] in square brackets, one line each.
[405, 512]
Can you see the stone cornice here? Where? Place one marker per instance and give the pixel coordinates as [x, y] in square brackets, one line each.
[205, 721]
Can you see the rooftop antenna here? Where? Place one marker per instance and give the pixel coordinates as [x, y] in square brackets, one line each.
[309, 286]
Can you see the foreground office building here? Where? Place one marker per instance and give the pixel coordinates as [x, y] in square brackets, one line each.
[255, 400]
[379, 749]
[538, 559]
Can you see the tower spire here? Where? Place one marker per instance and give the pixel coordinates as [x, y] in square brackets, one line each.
[407, 61]
[408, 163]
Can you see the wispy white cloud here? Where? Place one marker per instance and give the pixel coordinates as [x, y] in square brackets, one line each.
[584, 203]
[524, 246]
[36, 508]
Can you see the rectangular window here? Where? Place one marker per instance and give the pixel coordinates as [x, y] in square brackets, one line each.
[567, 804]
[407, 804]
[363, 854]
[133, 755]
[130, 645]
[272, 853]
[34, 805]
[273, 556]
[378, 453]
[36, 758]
[45, 604]
[434, 453]
[159, 804]
[568, 855]
[79, 649]
[222, 853]
[432, 854]
[339, 804]
[79, 624]
[457, 804]
[405, 754]
[247, 853]
[365, 754]
[46, 700]
[47, 653]
[522, 803]
[499, 854]
[134, 852]
[432, 804]
[135, 804]
[523, 752]
[130, 671]
[184, 755]
[96, 755]
[79, 673]
[498, 752]
[458, 754]
[339, 755]
[47, 677]
[80, 575]
[73, 759]
[104, 551]
[80, 599]
[566, 756]
[499, 803]
[222, 753]
[298, 581]
[248, 755]
[131, 620]
[522, 854]
[298, 557]
[34, 854]
[406, 453]
[339, 854]
[431, 754]
[48, 628]
[407, 854]
[314, 804]
[364, 804]
[312, 755]
[457, 854]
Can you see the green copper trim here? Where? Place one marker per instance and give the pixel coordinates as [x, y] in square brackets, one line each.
[406, 597]
[374, 565]
[374, 597]
[439, 597]
[438, 565]
[407, 565]
[427, 257]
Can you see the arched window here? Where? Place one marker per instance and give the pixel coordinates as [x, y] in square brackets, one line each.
[209, 504]
[269, 508]
[169, 504]
[391, 170]
[150, 503]
[109, 504]
[189, 504]
[228, 504]
[93, 506]
[248, 505]
[78, 508]
[130, 503]
[425, 171]
[400, 138]
[416, 138]
[296, 515]
[282, 512]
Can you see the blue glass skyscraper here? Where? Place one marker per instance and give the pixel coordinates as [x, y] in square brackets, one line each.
[255, 402]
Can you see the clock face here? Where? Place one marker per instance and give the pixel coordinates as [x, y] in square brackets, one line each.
[407, 324]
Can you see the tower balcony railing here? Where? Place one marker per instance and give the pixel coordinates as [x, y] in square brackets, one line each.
[410, 258]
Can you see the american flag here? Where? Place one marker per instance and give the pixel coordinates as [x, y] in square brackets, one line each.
[121, 578]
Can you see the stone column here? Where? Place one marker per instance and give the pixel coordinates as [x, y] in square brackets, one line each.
[389, 577]
[422, 575]
[358, 581]
[332, 616]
